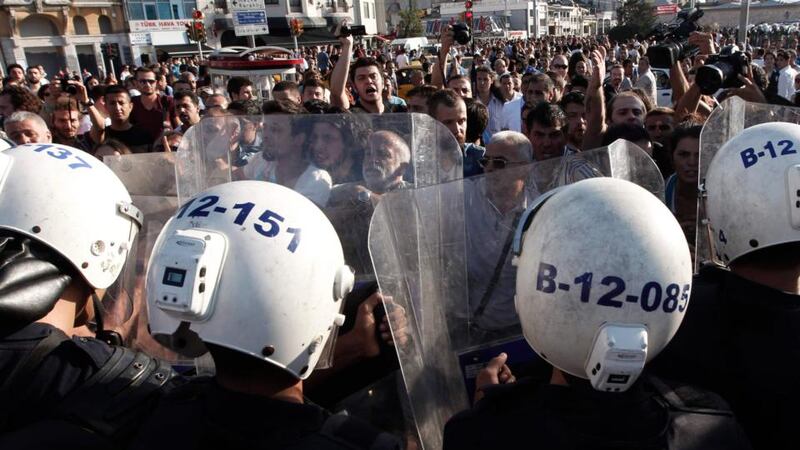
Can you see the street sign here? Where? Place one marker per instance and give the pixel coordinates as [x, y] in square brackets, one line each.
[244, 5]
[249, 23]
[249, 17]
[141, 39]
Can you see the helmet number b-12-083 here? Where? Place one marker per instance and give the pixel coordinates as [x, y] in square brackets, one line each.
[269, 225]
[750, 157]
[650, 298]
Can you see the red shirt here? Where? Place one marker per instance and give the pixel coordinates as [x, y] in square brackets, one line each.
[152, 120]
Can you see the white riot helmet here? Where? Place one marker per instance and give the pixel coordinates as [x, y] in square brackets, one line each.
[71, 202]
[752, 191]
[603, 279]
[253, 267]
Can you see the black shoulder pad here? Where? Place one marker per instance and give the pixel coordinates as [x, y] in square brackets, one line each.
[687, 398]
[356, 434]
[113, 401]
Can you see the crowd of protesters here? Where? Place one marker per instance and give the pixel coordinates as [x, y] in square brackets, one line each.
[565, 94]
[505, 102]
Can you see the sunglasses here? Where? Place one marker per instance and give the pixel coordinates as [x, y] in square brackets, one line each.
[148, 81]
[498, 162]
[659, 127]
[560, 66]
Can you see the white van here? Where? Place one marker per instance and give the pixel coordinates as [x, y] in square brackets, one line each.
[409, 44]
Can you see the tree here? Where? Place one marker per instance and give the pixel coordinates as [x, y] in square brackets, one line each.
[638, 15]
[410, 23]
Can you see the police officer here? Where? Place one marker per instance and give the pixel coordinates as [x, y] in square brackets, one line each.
[67, 228]
[597, 310]
[741, 337]
[255, 273]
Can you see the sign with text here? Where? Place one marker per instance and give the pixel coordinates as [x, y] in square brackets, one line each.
[249, 17]
[158, 25]
[141, 39]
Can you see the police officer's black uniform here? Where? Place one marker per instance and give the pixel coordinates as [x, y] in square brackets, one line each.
[203, 415]
[741, 340]
[530, 414]
[80, 383]
[51, 384]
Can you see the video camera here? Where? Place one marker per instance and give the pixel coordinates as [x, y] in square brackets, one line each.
[461, 33]
[352, 30]
[66, 87]
[675, 38]
[722, 70]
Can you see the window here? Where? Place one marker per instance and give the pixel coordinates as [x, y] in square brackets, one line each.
[150, 11]
[37, 25]
[296, 6]
[79, 23]
[187, 9]
[164, 11]
[135, 11]
[175, 13]
[105, 25]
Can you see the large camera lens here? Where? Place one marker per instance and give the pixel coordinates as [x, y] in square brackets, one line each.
[709, 78]
[665, 55]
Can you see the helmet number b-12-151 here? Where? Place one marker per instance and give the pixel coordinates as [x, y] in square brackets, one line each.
[270, 221]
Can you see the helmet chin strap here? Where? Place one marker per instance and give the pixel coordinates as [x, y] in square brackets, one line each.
[110, 337]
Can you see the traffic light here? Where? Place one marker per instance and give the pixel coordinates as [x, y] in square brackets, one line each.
[190, 32]
[468, 17]
[468, 5]
[112, 51]
[199, 32]
[197, 15]
[468, 12]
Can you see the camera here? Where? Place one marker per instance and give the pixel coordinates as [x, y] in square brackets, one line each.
[722, 70]
[461, 33]
[66, 87]
[675, 37]
[352, 30]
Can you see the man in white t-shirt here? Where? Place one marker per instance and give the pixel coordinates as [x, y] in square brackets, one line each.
[402, 59]
[647, 81]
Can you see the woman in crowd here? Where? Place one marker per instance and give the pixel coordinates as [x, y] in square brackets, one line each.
[681, 186]
[331, 147]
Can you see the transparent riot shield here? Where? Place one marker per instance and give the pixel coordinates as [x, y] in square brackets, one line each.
[726, 121]
[344, 163]
[443, 254]
[151, 181]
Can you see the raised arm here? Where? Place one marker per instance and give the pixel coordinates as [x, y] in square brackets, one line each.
[340, 73]
[437, 77]
[595, 102]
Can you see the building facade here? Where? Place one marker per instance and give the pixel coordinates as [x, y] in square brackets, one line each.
[62, 34]
[511, 15]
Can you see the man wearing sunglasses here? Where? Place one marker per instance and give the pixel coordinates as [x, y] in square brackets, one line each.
[494, 204]
[559, 65]
[152, 111]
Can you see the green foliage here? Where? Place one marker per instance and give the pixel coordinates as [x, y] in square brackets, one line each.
[410, 23]
[638, 15]
[621, 33]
